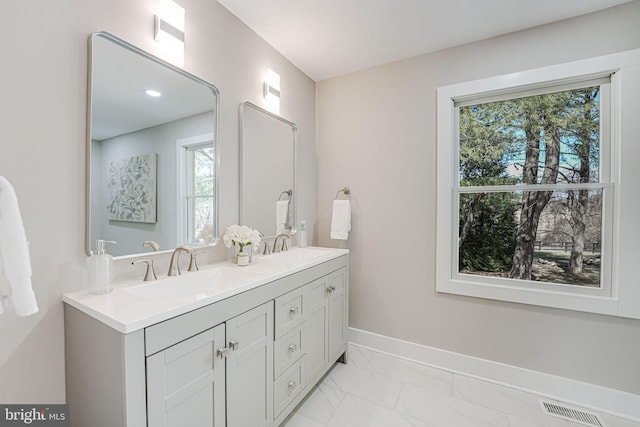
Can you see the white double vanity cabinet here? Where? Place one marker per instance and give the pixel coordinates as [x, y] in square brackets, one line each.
[225, 346]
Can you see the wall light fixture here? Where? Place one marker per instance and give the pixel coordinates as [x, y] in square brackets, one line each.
[272, 91]
[169, 31]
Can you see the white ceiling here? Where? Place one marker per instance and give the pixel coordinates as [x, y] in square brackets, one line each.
[327, 38]
[119, 78]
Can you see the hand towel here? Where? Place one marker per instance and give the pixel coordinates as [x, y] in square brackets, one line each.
[14, 252]
[282, 215]
[341, 219]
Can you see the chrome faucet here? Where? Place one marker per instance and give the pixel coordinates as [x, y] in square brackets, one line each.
[174, 263]
[280, 238]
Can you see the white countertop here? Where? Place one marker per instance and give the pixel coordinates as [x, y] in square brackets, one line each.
[136, 304]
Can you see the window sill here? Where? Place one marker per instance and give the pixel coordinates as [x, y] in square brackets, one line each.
[546, 298]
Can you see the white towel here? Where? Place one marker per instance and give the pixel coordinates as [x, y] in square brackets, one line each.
[341, 219]
[282, 215]
[14, 252]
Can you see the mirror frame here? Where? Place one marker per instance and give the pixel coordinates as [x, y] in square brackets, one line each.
[216, 148]
[241, 183]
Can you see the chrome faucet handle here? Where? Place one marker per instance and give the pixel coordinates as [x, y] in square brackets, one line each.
[284, 243]
[150, 274]
[267, 249]
[193, 262]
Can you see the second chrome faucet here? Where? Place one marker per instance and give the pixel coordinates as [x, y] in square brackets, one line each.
[174, 262]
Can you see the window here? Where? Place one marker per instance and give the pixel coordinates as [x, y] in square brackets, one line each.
[531, 188]
[196, 198]
[526, 186]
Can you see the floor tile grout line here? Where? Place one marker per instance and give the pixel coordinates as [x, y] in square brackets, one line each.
[395, 405]
[335, 410]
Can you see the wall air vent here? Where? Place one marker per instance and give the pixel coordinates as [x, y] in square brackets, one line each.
[565, 412]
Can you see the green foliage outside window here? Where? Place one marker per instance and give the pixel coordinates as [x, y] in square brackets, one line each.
[545, 140]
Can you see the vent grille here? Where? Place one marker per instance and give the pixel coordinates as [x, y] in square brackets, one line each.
[571, 414]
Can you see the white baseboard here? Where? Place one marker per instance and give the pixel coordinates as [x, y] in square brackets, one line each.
[595, 397]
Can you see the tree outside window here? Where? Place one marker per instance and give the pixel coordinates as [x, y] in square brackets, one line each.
[530, 191]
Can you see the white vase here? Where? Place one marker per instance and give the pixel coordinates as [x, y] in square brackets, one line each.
[243, 259]
[248, 249]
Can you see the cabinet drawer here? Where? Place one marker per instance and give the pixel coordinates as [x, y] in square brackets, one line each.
[288, 312]
[288, 386]
[288, 349]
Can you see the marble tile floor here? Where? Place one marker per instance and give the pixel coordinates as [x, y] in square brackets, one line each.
[378, 390]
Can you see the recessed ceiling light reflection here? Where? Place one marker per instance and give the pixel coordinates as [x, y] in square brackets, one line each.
[153, 93]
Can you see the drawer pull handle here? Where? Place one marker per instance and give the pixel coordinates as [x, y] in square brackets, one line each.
[293, 348]
[222, 352]
[292, 385]
[293, 311]
[234, 345]
[331, 289]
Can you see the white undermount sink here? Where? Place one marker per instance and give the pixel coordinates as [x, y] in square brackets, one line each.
[203, 283]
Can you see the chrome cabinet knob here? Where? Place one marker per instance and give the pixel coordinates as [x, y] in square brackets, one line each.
[234, 345]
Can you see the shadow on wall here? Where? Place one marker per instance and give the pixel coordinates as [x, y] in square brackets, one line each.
[22, 352]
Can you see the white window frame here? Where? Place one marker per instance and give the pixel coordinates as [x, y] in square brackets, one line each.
[182, 145]
[620, 296]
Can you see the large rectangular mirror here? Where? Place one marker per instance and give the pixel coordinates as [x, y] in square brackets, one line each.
[152, 155]
[268, 197]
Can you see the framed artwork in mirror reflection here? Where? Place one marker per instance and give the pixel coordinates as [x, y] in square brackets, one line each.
[131, 189]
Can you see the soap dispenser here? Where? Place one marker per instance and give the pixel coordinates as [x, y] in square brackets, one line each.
[99, 266]
[302, 237]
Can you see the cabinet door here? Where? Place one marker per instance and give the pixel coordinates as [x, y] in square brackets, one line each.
[317, 318]
[186, 383]
[250, 368]
[337, 313]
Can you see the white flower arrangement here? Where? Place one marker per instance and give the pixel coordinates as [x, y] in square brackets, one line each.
[242, 236]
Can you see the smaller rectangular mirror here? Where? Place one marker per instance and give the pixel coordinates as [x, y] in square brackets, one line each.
[268, 198]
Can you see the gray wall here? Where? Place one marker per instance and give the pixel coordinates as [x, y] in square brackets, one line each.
[377, 134]
[43, 80]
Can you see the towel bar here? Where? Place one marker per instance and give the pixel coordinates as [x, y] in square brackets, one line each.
[344, 190]
[289, 193]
